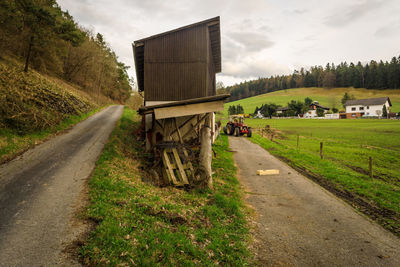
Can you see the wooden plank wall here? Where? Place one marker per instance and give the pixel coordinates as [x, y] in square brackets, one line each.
[211, 90]
[175, 65]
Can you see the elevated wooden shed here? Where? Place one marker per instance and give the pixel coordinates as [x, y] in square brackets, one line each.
[176, 72]
[179, 64]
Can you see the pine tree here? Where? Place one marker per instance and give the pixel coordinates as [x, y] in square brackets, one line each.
[384, 112]
[307, 101]
[320, 112]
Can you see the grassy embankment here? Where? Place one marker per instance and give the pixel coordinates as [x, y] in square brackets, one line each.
[145, 225]
[347, 146]
[34, 107]
[327, 97]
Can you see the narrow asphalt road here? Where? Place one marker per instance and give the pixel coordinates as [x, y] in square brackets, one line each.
[40, 190]
[298, 223]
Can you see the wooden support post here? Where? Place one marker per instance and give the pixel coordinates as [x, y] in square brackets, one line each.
[370, 168]
[321, 152]
[206, 157]
[297, 141]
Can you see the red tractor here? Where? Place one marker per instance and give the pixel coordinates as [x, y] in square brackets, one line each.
[236, 126]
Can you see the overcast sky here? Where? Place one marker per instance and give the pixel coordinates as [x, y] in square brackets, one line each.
[259, 38]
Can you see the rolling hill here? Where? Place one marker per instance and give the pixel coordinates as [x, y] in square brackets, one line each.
[327, 97]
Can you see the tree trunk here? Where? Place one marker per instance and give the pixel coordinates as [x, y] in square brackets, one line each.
[29, 54]
[206, 157]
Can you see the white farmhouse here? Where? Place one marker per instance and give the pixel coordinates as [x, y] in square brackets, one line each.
[312, 112]
[371, 107]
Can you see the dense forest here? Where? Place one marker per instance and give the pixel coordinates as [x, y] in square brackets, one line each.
[373, 75]
[48, 40]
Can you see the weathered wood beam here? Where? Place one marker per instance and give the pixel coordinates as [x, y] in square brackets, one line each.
[194, 126]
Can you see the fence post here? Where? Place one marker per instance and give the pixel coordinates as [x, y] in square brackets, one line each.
[321, 153]
[297, 141]
[370, 168]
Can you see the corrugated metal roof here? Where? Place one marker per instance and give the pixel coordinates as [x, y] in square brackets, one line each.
[368, 102]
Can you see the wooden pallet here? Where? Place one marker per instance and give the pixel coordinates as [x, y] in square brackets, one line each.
[175, 171]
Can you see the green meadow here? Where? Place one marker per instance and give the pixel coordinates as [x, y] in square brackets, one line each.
[327, 97]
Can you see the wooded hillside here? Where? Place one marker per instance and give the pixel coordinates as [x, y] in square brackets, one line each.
[373, 75]
[46, 38]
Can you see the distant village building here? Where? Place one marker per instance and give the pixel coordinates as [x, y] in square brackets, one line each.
[372, 107]
[259, 115]
[312, 112]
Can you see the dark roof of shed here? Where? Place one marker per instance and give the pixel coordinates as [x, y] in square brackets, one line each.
[215, 38]
[368, 102]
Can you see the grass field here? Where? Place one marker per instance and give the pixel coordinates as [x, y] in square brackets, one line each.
[347, 146]
[139, 224]
[327, 97]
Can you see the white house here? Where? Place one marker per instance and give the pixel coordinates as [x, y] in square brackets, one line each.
[312, 112]
[371, 107]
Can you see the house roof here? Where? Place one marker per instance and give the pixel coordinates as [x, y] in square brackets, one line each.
[282, 109]
[319, 106]
[215, 39]
[368, 102]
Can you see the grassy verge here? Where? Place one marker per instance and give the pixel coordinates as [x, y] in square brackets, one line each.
[144, 225]
[378, 198]
[13, 144]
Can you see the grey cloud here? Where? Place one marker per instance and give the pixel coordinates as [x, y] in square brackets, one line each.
[388, 30]
[231, 50]
[251, 41]
[300, 11]
[349, 14]
[264, 28]
[253, 68]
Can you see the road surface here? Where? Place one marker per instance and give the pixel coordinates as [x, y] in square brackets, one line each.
[40, 190]
[298, 223]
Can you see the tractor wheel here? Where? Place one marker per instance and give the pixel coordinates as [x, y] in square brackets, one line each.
[230, 129]
[237, 132]
[226, 130]
[249, 132]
